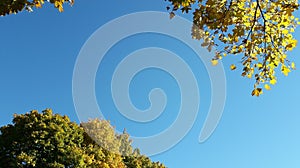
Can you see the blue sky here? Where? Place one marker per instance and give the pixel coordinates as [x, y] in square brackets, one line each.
[39, 50]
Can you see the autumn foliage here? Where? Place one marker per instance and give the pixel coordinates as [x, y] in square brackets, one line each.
[260, 32]
[51, 140]
[14, 6]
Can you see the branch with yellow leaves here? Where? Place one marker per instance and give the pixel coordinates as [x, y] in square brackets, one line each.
[15, 6]
[260, 31]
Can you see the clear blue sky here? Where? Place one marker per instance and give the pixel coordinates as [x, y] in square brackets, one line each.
[38, 52]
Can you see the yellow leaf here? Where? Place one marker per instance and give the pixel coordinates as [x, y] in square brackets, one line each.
[247, 24]
[257, 92]
[38, 5]
[56, 4]
[267, 87]
[285, 31]
[214, 62]
[285, 70]
[259, 65]
[273, 81]
[293, 65]
[60, 9]
[232, 67]
[236, 39]
[249, 75]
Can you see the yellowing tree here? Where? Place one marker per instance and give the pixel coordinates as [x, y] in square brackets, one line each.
[51, 140]
[261, 31]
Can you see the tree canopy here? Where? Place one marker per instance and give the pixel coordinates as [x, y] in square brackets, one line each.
[41, 140]
[51, 140]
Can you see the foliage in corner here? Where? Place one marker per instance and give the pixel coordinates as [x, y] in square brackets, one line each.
[14, 6]
[261, 31]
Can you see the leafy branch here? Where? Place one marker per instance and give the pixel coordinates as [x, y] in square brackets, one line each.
[14, 6]
[260, 31]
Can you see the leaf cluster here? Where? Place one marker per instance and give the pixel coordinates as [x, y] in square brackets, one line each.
[15, 6]
[259, 31]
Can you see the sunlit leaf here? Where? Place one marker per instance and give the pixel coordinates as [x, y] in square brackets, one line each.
[267, 87]
[214, 62]
[232, 67]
